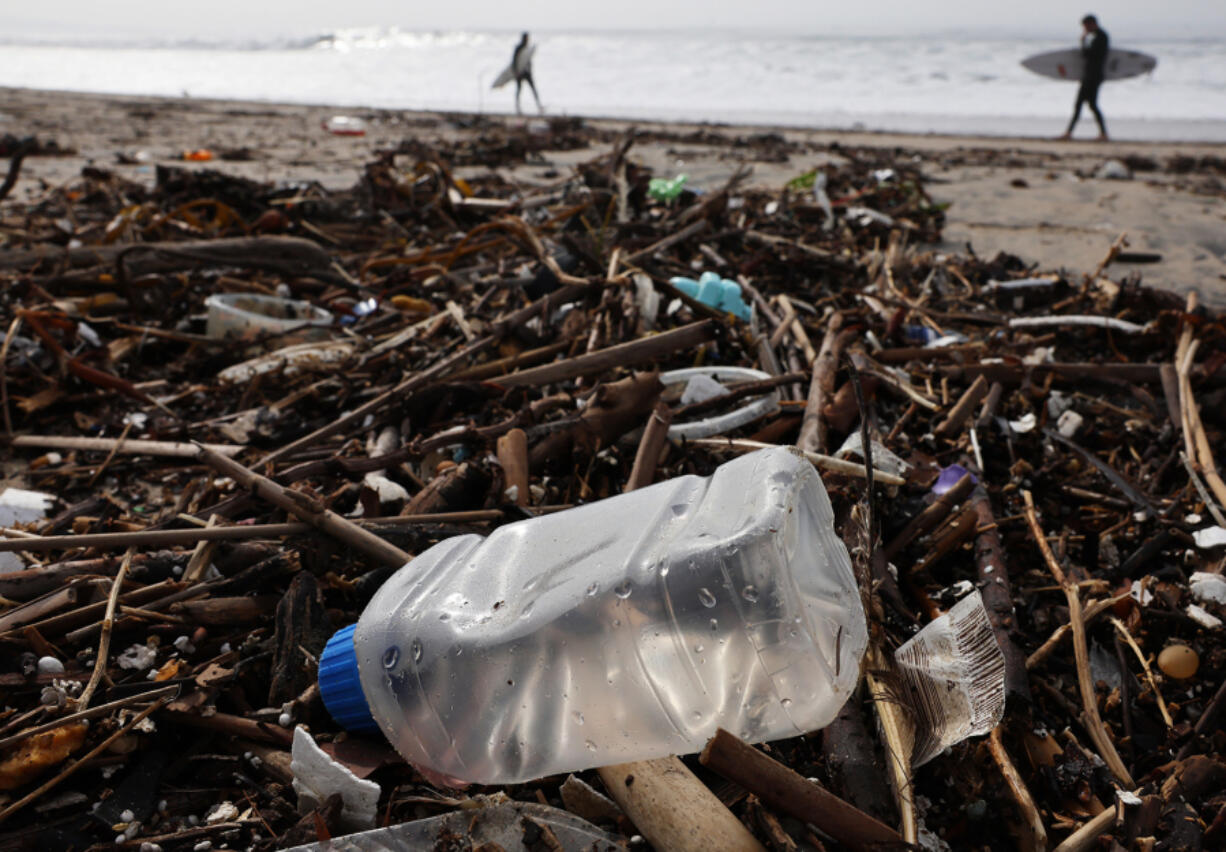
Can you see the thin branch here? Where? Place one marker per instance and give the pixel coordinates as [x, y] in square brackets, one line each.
[1085, 682]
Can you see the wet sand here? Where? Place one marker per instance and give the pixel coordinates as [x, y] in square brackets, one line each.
[1033, 198]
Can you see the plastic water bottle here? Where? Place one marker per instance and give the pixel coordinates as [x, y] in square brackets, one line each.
[625, 629]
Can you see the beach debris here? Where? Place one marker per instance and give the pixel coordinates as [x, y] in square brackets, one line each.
[345, 125]
[485, 823]
[506, 347]
[666, 189]
[318, 776]
[246, 316]
[706, 385]
[1113, 170]
[1178, 661]
[1209, 537]
[718, 293]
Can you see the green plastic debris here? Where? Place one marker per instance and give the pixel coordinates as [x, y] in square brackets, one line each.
[804, 181]
[663, 189]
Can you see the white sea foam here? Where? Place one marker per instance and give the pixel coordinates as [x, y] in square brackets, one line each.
[917, 84]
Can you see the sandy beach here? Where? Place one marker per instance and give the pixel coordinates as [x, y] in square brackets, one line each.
[1040, 200]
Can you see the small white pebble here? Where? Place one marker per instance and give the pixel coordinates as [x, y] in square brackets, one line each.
[150, 847]
[256, 761]
[225, 648]
[120, 838]
[127, 816]
[193, 820]
[162, 806]
[50, 665]
[54, 458]
[285, 720]
[203, 846]
[177, 570]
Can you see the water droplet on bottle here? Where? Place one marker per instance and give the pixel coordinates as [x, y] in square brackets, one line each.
[444, 616]
[578, 717]
[706, 598]
[617, 622]
[417, 650]
[593, 589]
[698, 715]
[786, 702]
[589, 745]
[714, 625]
[623, 589]
[698, 649]
[679, 509]
[749, 593]
[390, 657]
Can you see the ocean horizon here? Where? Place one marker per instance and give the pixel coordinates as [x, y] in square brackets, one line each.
[967, 84]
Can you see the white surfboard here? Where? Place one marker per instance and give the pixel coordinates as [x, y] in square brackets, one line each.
[508, 73]
[1068, 64]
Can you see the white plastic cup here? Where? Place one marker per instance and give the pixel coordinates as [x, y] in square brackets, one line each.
[247, 316]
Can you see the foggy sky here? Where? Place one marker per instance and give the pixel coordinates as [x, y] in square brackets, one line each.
[1125, 19]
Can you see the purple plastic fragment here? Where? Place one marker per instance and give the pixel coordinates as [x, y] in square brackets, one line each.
[949, 478]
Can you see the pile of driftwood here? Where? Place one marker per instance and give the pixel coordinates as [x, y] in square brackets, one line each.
[492, 352]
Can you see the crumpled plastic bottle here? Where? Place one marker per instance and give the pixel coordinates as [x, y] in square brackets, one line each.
[626, 629]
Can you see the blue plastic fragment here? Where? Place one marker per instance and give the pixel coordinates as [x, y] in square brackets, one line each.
[719, 293]
[949, 478]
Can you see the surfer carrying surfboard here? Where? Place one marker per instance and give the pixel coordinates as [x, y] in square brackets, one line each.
[1094, 46]
[520, 70]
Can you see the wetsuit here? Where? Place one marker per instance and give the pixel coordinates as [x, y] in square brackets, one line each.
[1094, 51]
[521, 61]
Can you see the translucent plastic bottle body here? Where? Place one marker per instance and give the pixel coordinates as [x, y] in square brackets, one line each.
[627, 629]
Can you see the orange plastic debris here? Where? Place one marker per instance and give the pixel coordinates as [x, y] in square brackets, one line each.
[200, 155]
[39, 753]
[411, 304]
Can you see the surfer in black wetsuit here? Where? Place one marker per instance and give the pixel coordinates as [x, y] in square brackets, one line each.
[521, 62]
[1094, 46]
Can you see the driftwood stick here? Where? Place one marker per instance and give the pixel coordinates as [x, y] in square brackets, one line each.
[690, 230]
[735, 391]
[993, 575]
[92, 713]
[828, 463]
[169, 449]
[412, 383]
[1092, 611]
[1037, 839]
[238, 726]
[673, 809]
[934, 514]
[821, 387]
[1085, 837]
[108, 624]
[513, 457]
[771, 241]
[622, 355]
[288, 255]
[785, 790]
[166, 538]
[308, 510]
[962, 409]
[1085, 682]
[652, 443]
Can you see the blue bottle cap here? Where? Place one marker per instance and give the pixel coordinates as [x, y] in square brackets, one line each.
[339, 685]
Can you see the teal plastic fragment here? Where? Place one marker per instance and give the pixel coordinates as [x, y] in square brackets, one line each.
[719, 293]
